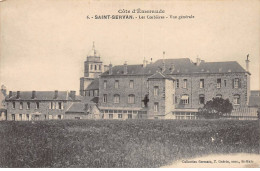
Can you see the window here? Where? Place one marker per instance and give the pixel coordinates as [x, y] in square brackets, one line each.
[116, 98]
[105, 84]
[99, 67]
[20, 117]
[236, 99]
[225, 83]
[120, 116]
[173, 99]
[176, 99]
[96, 93]
[129, 116]
[51, 106]
[59, 116]
[37, 105]
[156, 91]
[131, 98]
[156, 107]
[185, 83]
[27, 117]
[177, 83]
[13, 105]
[218, 83]
[236, 83]
[185, 99]
[201, 99]
[60, 105]
[105, 98]
[131, 84]
[116, 84]
[219, 96]
[77, 118]
[201, 83]
[28, 105]
[91, 67]
[13, 117]
[110, 116]
[21, 105]
[95, 67]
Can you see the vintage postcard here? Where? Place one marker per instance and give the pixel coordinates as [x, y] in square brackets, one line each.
[129, 84]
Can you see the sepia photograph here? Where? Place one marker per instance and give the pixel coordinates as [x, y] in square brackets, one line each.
[129, 84]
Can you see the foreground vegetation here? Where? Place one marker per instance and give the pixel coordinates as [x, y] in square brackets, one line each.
[112, 143]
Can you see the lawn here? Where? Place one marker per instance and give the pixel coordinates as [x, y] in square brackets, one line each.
[113, 143]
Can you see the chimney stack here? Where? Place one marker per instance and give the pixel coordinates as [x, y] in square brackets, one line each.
[144, 63]
[73, 95]
[125, 68]
[247, 63]
[33, 94]
[18, 95]
[10, 94]
[110, 69]
[198, 61]
[55, 94]
[151, 61]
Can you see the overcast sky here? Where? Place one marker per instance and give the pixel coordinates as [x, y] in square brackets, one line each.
[44, 43]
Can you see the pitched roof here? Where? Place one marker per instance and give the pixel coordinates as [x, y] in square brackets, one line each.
[40, 95]
[160, 75]
[76, 107]
[94, 84]
[178, 66]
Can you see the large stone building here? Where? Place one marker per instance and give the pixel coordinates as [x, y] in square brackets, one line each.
[170, 88]
[39, 105]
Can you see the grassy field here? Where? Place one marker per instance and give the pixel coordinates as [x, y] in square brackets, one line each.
[112, 143]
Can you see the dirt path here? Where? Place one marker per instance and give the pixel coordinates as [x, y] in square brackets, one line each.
[239, 160]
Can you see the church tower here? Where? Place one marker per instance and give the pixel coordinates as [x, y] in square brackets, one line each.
[93, 67]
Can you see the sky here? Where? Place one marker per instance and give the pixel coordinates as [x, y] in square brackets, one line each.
[44, 43]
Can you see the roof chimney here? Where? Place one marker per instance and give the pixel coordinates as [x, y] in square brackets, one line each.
[55, 94]
[125, 68]
[33, 94]
[110, 69]
[247, 63]
[18, 95]
[151, 61]
[73, 95]
[144, 63]
[198, 61]
[10, 94]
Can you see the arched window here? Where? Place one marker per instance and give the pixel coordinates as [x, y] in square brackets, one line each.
[131, 98]
[219, 95]
[201, 99]
[236, 99]
[116, 98]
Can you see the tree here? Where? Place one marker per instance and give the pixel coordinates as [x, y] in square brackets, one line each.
[216, 108]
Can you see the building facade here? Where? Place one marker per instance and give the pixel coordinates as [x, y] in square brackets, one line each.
[170, 88]
[38, 105]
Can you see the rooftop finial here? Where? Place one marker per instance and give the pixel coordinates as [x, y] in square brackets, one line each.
[163, 68]
[93, 47]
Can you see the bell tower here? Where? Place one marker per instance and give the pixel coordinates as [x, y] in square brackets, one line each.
[93, 67]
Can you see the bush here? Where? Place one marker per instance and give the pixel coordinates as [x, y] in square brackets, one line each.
[215, 109]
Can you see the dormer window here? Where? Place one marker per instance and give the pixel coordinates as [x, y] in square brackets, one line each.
[28, 105]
